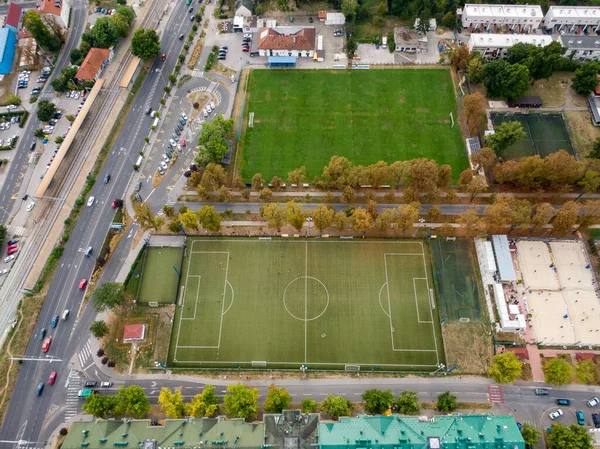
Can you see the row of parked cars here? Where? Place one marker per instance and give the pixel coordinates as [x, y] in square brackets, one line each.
[592, 403]
[172, 146]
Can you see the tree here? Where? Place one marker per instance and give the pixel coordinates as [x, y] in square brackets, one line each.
[348, 195]
[590, 182]
[408, 215]
[146, 218]
[171, 403]
[99, 406]
[408, 402]
[459, 57]
[225, 195]
[45, 111]
[335, 173]
[169, 211]
[484, 158]
[349, 9]
[372, 209]
[500, 213]
[212, 140]
[39, 132]
[277, 400]
[265, 195]
[434, 213]
[132, 401]
[585, 79]
[241, 401]
[557, 371]
[586, 371]
[503, 80]
[361, 220]
[573, 437]
[105, 34]
[276, 183]
[336, 406]
[295, 215]
[506, 368]
[504, 136]
[446, 402]
[322, 217]
[378, 401]
[542, 215]
[340, 220]
[275, 215]
[213, 177]
[297, 176]
[378, 174]
[203, 404]
[444, 176]
[209, 219]
[561, 169]
[565, 218]
[385, 219]
[127, 12]
[257, 182]
[472, 223]
[309, 405]
[99, 329]
[189, 219]
[40, 32]
[145, 43]
[423, 175]
[475, 70]
[107, 296]
[595, 152]
[530, 435]
[64, 81]
[475, 111]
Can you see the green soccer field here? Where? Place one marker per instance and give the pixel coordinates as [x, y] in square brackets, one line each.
[326, 303]
[305, 117]
[159, 278]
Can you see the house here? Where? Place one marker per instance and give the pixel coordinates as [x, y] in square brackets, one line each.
[287, 41]
[243, 8]
[572, 19]
[581, 48]
[594, 107]
[94, 63]
[521, 353]
[531, 101]
[55, 12]
[498, 18]
[493, 46]
[579, 356]
[13, 17]
[322, 15]
[134, 332]
[8, 43]
[409, 41]
[409, 432]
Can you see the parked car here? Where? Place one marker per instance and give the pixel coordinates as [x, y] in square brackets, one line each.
[106, 384]
[91, 200]
[566, 402]
[164, 165]
[182, 120]
[30, 207]
[9, 259]
[3, 272]
[596, 420]
[593, 402]
[90, 383]
[138, 198]
[580, 418]
[116, 203]
[54, 321]
[183, 142]
[82, 283]
[557, 414]
[12, 251]
[46, 344]
[163, 57]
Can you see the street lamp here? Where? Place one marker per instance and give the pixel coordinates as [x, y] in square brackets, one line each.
[309, 220]
[303, 368]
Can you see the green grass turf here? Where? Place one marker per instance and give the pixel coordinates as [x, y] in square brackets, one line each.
[320, 302]
[159, 279]
[305, 117]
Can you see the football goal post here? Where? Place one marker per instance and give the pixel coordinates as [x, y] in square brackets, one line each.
[352, 368]
[259, 364]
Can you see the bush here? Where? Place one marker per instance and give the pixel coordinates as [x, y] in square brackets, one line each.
[23, 119]
[100, 352]
[79, 202]
[111, 364]
[309, 405]
[104, 360]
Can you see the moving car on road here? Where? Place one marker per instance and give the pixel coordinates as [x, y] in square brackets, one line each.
[82, 284]
[557, 414]
[541, 392]
[566, 402]
[593, 402]
[46, 344]
[52, 378]
[39, 389]
[54, 321]
[91, 201]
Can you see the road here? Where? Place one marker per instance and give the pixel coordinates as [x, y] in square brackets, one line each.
[10, 189]
[33, 418]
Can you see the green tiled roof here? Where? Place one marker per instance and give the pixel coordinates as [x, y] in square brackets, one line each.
[404, 432]
[206, 432]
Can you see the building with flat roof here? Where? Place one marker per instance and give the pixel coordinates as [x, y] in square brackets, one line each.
[506, 268]
[572, 19]
[411, 432]
[593, 104]
[8, 43]
[13, 17]
[581, 48]
[514, 18]
[493, 46]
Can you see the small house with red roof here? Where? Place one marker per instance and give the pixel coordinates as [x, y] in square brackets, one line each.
[55, 12]
[13, 17]
[134, 332]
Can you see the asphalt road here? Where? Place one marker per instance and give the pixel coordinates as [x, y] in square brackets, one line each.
[8, 194]
[29, 417]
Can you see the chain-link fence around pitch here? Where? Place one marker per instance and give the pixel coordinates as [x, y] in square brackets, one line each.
[456, 280]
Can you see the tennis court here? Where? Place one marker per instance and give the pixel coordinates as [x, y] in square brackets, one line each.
[327, 304]
[545, 134]
[456, 280]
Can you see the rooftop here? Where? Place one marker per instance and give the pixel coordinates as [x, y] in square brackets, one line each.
[51, 7]
[134, 332]
[574, 12]
[295, 429]
[503, 258]
[280, 39]
[508, 40]
[92, 63]
[13, 15]
[580, 42]
[500, 11]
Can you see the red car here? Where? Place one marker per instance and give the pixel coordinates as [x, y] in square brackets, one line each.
[246, 49]
[52, 378]
[46, 344]
[183, 143]
[163, 57]
[82, 284]
[12, 250]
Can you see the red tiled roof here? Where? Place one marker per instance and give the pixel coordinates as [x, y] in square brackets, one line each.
[24, 34]
[322, 15]
[134, 332]
[585, 355]
[48, 7]
[13, 15]
[269, 39]
[522, 353]
[92, 63]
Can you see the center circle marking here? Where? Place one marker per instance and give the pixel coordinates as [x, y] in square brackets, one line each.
[302, 278]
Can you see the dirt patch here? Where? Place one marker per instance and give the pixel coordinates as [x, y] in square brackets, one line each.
[553, 91]
[422, 110]
[200, 97]
[222, 69]
[469, 346]
[581, 131]
[6, 86]
[195, 56]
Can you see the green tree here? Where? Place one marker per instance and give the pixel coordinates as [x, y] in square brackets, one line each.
[446, 402]
[297, 176]
[145, 43]
[213, 140]
[64, 81]
[504, 136]
[189, 219]
[171, 403]
[41, 33]
[127, 12]
[209, 219]
[107, 296]
[408, 402]
[105, 33]
[503, 80]
[595, 152]
[349, 9]
[241, 401]
[586, 371]
[322, 217]
[475, 70]
[336, 406]
[574, 437]
[39, 132]
[309, 405]
[557, 371]
[99, 329]
[585, 79]
[294, 215]
[530, 434]
[506, 368]
[275, 215]
[75, 56]
[132, 400]
[590, 182]
[99, 406]
[377, 401]
[277, 400]
[203, 404]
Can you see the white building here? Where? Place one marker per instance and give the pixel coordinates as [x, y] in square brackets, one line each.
[493, 46]
[581, 48]
[287, 41]
[516, 18]
[572, 19]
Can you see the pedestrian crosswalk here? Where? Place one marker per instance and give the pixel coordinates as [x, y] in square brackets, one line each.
[495, 394]
[84, 355]
[15, 230]
[73, 402]
[197, 73]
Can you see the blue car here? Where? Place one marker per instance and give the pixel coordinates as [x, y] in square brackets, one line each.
[42, 334]
[39, 389]
[54, 321]
[580, 418]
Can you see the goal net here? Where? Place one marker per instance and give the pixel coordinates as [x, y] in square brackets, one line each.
[152, 304]
[352, 368]
[259, 364]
